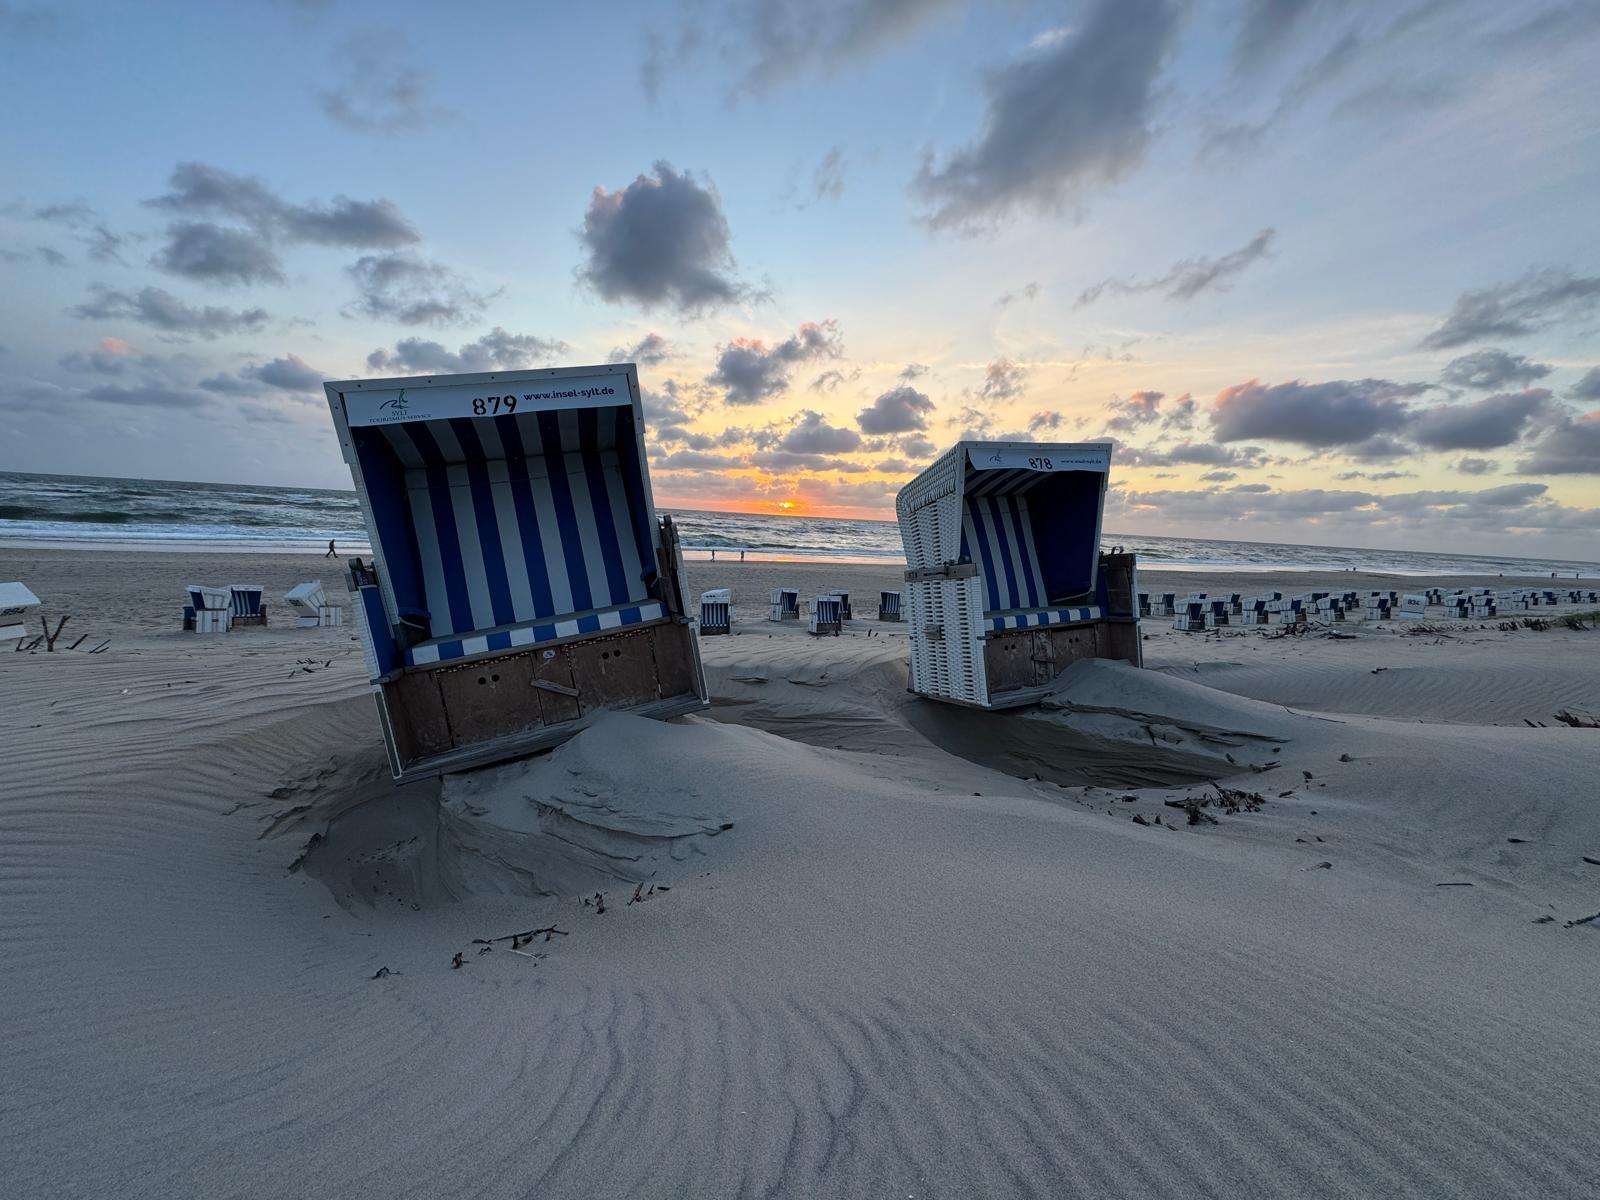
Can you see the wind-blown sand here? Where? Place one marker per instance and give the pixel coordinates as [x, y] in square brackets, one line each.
[899, 970]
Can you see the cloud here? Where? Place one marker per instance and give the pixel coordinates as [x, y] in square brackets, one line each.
[162, 310]
[748, 372]
[1219, 476]
[919, 448]
[1587, 388]
[1508, 310]
[1485, 424]
[1490, 369]
[201, 189]
[414, 291]
[699, 460]
[649, 350]
[1185, 454]
[111, 356]
[496, 350]
[212, 254]
[1570, 446]
[1044, 421]
[1003, 379]
[1060, 121]
[827, 181]
[1318, 415]
[386, 91]
[1265, 28]
[662, 240]
[899, 410]
[775, 41]
[288, 374]
[913, 371]
[145, 395]
[1468, 465]
[1028, 291]
[1140, 408]
[1180, 413]
[1189, 277]
[813, 435]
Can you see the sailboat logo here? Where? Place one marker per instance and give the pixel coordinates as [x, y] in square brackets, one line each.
[398, 404]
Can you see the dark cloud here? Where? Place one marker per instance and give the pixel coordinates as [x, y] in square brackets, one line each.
[748, 372]
[919, 448]
[1569, 446]
[1003, 379]
[812, 434]
[1044, 421]
[1318, 415]
[916, 371]
[899, 410]
[1507, 310]
[1375, 476]
[146, 395]
[1028, 291]
[1060, 120]
[214, 254]
[162, 310]
[699, 460]
[1180, 413]
[829, 381]
[1485, 424]
[1191, 454]
[1186, 279]
[496, 350]
[414, 291]
[104, 245]
[1587, 388]
[201, 189]
[649, 350]
[1490, 369]
[1469, 465]
[386, 90]
[1219, 476]
[1139, 408]
[290, 373]
[1380, 448]
[662, 240]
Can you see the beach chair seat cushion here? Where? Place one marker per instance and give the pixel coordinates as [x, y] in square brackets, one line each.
[531, 633]
[1030, 618]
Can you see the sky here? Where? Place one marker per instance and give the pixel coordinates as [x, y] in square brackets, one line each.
[1325, 271]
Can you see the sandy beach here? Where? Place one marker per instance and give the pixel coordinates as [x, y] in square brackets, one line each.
[879, 947]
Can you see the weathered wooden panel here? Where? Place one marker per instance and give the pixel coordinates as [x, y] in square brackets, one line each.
[615, 672]
[675, 675]
[1008, 660]
[417, 716]
[557, 701]
[490, 699]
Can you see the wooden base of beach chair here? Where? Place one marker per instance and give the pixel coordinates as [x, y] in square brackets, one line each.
[330, 616]
[213, 620]
[306, 622]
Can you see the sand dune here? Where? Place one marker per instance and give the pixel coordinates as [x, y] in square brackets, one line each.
[900, 971]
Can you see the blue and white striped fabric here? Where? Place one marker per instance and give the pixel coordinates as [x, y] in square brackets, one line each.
[246, 599]
[530, 633]
[523, 518]
[1032, 618]
[997, 535]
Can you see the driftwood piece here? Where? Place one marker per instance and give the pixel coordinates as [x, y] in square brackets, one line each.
[50, 638]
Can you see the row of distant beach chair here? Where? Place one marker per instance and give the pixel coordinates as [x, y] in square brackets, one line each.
[829, 611]
[1198, 611]
[219, 609]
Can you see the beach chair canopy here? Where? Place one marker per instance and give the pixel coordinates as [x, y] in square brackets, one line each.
[15, 598]
[505, 529]
[306, 597]
[245, 598]
[204, 597]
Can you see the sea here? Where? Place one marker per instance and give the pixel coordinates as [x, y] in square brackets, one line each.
[155, 514]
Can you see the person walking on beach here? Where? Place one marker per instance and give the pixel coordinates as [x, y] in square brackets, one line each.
[332, 553]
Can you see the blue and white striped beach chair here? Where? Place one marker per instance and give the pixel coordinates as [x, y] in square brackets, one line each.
[716, 611]
[889, 606]
[827, 616]
[520, 578]
[210, 609]
[785, 605]
[245, 601]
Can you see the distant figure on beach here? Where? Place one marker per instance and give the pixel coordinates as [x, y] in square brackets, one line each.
[713, 556]
[741, 556]
[332, 553]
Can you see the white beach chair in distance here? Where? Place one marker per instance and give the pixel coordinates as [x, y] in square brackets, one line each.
[1190, 617]
[827, 616]
[213, 608]
[245, 599]
[16, 605]
[716, 611]
[1413, 606]
[889, 606]
[309, 601]
[785, 605]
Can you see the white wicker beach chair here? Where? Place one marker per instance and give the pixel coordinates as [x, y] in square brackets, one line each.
[785, 605]
[716, 611]
[210, 609]
[17, 603]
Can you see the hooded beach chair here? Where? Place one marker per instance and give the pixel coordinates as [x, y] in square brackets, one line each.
[785, 605]
[827, 616]
[716, 611]
[844, 605]
[1007, 582]
[16, 605]
[210, 609]
[245, 601]
[520, 579]
[309, 603]
[889, 606]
